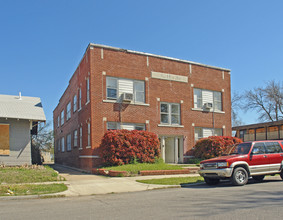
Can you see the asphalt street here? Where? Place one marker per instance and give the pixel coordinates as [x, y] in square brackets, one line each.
[252, 201]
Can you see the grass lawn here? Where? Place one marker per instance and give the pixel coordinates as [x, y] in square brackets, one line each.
[29, 189]
[135, 168]
[9, 175]
[173, 180]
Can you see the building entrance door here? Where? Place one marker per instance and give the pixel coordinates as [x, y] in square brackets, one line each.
[172, 149]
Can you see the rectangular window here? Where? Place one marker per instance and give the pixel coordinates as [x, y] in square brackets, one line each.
[201, 97]
[170, 113]
[281, 131]
[62, 117]
[206, 132]
[58, 121]
[260, 134]
[115, 87]
[126, 126]
[87, 90]
[68, 116]
[62, 144]
[69, 138]
[75, 138]
[81, 137]
[250, 135]
[88, 134]
[75, 103]
[4, 139]
[80, 98]
[272, 133]
[242, 134]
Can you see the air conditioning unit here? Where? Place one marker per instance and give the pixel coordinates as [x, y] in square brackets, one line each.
[208, 105]
[127, 97]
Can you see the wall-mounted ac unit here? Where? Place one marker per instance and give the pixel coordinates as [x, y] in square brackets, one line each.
[208, 105]
[127, 97]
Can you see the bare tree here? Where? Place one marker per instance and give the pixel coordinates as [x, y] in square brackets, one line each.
[267, 101]
[236, 105]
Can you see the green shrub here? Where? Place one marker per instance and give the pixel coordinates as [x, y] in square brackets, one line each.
[214, 146]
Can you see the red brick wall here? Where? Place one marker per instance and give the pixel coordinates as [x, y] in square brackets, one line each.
[134, 66]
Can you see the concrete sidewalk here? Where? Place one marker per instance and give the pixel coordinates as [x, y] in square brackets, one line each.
[80, 184]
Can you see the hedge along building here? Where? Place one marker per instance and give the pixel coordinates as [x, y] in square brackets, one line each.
[113, 88]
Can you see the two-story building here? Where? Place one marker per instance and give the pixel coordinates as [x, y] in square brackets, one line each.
[112, 88]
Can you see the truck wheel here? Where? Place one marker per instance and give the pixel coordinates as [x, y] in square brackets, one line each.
[258, 178]
[240, 176]
[210, 181]
[281, 174]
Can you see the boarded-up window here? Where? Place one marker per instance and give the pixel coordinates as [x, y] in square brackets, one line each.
[4, 139]
[260, 134]
[272, 133]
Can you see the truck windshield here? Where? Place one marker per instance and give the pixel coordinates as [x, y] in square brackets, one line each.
[242, 148]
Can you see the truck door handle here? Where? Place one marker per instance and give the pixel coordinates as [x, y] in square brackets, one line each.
[266, 156]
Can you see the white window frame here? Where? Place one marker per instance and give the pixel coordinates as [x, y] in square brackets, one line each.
[117, 126]
[199, 100]
[80, 98]
[88, 134]
[170, 113]
[75, 138]
[200, 129]
[68, 109]
[62, 117]
[69, 142]
[87, 90]
[58, 121]
[62, 144]
[81, 138]
[75, 101]
[135, 90]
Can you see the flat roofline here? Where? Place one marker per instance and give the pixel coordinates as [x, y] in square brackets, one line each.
[258, 125]
[157, 56]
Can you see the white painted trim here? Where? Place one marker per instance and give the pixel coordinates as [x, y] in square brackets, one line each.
[86, 102]
[114, 101]
[201, 110]
[89, 156]
[88, 147]
[80, 148]
[172, 126]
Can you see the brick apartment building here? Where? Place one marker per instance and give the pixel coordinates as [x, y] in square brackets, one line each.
[112, 88]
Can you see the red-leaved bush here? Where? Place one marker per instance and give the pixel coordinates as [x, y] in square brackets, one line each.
[214, 146]
[123, 147]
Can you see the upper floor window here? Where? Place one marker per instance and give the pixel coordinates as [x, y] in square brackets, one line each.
[58, 121]
[87, 89]
[81, 137]
[62, 117]
[127, 126]
[88, 134]
[207, 99]
[115, 87]
[68, 115]
[62, 144]
[80, 98]
[75, 103]
[170, 113]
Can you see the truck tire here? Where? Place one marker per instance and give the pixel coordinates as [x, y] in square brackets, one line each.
[211, 181]
[281, 174]
[240, 176]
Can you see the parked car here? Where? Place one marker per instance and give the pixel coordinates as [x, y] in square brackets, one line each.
[250, 159]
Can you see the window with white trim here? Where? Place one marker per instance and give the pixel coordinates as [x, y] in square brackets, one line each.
[58, 144]
[88, 134]
[75, 138]
[69, 139]
[75, 100]
[115, 87]
[62, 117]
[81, 137]
[68, 115]
[170, 113]
[80, 98]
[127, 126]
[201, 132]
[87, 89]
[62, 144]
[202, 96]
[58, 121]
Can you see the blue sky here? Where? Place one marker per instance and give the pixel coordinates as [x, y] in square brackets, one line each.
[42, 41]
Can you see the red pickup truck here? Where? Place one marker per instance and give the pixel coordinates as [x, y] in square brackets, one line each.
[250, 159]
